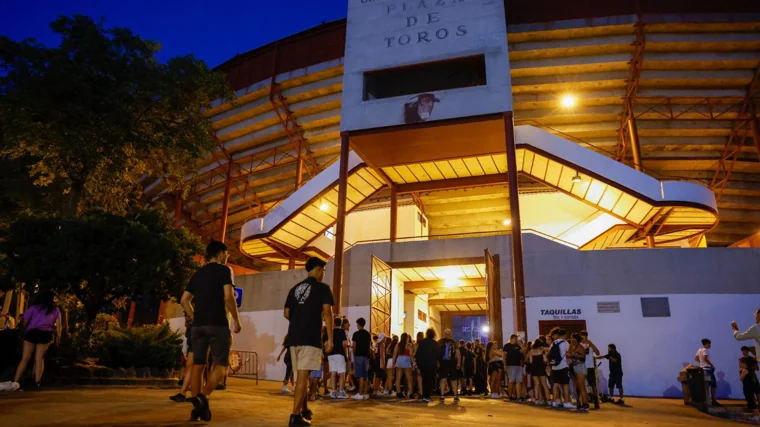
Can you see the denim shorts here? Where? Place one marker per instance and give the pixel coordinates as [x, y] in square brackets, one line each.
[404, 362]
[361, 366]
[316, 374]
[710, 376]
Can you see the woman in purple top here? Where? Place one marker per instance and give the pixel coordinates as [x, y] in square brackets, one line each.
[39, 323]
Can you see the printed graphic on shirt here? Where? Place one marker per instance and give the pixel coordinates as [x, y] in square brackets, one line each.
[302, 292]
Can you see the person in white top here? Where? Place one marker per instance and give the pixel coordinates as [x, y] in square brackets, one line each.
[560, 369]
[703, 357]
[753, 333]
[592, 351]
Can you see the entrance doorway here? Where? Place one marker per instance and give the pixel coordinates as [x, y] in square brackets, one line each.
[571, 326]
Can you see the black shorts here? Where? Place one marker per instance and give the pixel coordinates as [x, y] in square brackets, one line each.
[189, 340]
[750, 391]
[561, 376]
[216, 338]
[591, 377]
[495, 366]
[448, 370]
[616, 380]
[37, 336]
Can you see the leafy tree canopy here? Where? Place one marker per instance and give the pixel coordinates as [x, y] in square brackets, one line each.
[92, 116]
[100, 257]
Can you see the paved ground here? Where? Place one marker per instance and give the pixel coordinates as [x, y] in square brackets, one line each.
[245, 404]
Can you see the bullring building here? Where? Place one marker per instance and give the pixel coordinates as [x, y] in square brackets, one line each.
[496, 167]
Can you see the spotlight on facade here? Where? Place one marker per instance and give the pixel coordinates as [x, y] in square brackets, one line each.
[577, 178]
[568, 101]
[507, 222]
[485, 329]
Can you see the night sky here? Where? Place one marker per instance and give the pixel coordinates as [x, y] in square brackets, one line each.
[212, 30]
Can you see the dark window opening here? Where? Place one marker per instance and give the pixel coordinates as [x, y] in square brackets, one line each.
[428, 77]
[655, 307]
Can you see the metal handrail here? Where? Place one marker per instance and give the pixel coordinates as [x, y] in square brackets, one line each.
[464, 235]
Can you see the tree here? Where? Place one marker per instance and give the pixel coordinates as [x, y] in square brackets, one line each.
[97, 113]
[101, 257]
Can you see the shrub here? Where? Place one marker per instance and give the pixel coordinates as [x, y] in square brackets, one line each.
[152, 346]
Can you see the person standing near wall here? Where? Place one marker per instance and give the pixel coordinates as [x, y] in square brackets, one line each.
[513, 353]
[427, 360]
[753, 333]
[748, 368]
[616, 372]
[307, 305]
[703, 357]
[208, 297]
[361, 344]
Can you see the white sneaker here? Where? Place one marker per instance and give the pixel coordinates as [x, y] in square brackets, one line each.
[494, 396]
[357, 396]
[539, 402]
[342, 395]
[568, 405]
[378, 393]
[555, 404]
[7, 386]
[366, 397]
[333, 395]
[285, 390]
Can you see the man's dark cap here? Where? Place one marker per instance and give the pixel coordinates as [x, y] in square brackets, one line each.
[314, 262]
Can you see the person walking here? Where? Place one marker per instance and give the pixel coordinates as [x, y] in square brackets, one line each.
[288, 367]
[427, 360]
[308, 304]
[361, 341]
[187, 377]
[753, 333]
[206, 300]
[42, 322]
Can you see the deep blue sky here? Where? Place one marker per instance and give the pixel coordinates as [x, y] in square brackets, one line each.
[212, 30]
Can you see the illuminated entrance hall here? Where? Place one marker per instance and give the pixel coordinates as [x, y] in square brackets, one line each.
[593, 179]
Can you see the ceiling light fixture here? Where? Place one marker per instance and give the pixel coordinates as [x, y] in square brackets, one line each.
[568, 101]
[507, 222]
[577, 178]
[324, 206]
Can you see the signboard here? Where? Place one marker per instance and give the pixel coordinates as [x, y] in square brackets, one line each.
[608, 307]
[238, 297]
[562, 313]
[391, 34]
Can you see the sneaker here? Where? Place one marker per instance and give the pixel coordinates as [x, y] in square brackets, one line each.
[539, 402]
[342, 395]
[456, 399]
[285, 390]
[442, 399]
[357, 397]
[333, 395]
[298, 420]
[9, 386]
[366, 397]
[179, 398]
[555, 404]
[568, 405]
[620, 402]
[494, 396]
[378, 393]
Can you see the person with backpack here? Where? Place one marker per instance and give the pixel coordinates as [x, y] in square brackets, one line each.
[449, 364]
[560, 369]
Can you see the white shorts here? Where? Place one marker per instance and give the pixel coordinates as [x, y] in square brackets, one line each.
[337, 363]
[389, 364]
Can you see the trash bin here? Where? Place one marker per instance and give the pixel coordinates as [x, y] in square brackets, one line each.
[696, 382]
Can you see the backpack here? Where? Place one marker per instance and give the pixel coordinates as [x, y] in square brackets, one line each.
[448, 351]
[555, 355]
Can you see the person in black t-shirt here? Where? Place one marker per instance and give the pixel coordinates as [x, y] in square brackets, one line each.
[362, 342]
[616, 371]
[748, 374]
[513, 354]
[308, 304]
[337, 360]
[206, 300]
[469, 369]
[449, 364]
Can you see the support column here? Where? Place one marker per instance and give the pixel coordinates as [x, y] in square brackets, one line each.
[650, 241]
[226, 202]
[340, 226]
[291, 264]
[633, 135]
[394, 214]
[521, 322]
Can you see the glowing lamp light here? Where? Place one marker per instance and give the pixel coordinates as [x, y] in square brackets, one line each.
[485, 329]
[451, 282]
[507, 222]
[324, 206]
[577, 178]
[568, 101]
